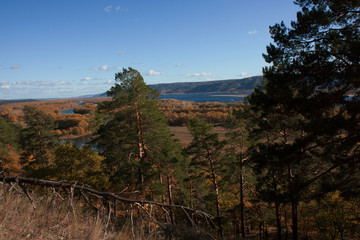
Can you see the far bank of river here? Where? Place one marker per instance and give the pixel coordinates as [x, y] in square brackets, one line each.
[180, 132]
[78, 141]
[208, 97]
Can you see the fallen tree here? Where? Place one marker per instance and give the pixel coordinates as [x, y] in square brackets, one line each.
[86, 193]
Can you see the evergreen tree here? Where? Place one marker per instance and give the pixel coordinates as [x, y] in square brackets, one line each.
[37, 141]
[74, 164]
[9, 140]
[205, 153]
[310, 105]
[237, 171]
[135, 139]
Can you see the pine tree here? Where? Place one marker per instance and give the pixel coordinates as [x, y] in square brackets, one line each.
[237, 171]
[135, 139]
[205, 153]
[74, 164]
[310, 105]
[37, 141]
[9, 146]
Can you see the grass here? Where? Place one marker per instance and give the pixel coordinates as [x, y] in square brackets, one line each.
[43, 219]
[183, 134]
[20, 220]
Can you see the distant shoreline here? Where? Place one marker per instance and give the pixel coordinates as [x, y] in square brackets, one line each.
[239, 95]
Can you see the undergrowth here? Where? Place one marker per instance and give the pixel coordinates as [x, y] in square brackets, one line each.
[42, 219]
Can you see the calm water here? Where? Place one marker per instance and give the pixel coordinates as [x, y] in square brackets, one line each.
[68, 111]
[79, 142]
[71, 110]
[201, 97]
[208, 97]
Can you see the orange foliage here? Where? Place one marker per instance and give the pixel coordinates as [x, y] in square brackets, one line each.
[10, 161]
[177, 112]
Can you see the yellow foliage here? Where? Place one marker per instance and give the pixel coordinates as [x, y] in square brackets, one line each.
[330, 217]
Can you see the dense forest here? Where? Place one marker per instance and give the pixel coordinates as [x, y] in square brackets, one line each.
[223, 86]
[287, 167]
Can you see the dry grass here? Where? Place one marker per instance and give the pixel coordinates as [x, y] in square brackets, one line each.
[19, 220]
[183, 134]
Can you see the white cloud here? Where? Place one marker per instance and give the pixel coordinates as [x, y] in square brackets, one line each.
[178, 65]
[252, 32]
[105, 68]
[39, 83]
[116, 68]
[243, 74]
[201, 75]
[66, 90]
[108, 8]
[102, 82]
[15, 66]
[121, 52]
[4, 86]
[151, 73]
[86, 79]
[98, 69]
[117, 8]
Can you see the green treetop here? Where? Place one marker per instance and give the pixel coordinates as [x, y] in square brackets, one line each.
[9, 139]
[309, 106]
[136, 140]
[37, 141]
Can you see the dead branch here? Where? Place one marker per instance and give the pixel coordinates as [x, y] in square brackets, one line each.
[84, 191]
[27, 194]
[72, 187]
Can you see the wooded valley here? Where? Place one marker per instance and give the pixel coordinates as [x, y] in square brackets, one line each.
[286, 166]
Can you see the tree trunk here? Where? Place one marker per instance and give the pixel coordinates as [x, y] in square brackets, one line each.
[191, 195]
[286, 226]
[170, 200]
[217, 203]
[141, 145]
[294, 220]
[242, 218]
[278, 220]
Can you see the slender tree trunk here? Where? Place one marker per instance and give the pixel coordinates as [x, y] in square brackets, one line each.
[217, 203]
[191, 195]
[161, 182]
[294, 220]
[278, 220]
[170, 200]
[242, 218]
[286, 226]
[141, 145]
[236, 227]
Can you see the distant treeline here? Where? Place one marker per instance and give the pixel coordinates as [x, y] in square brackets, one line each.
[219, 86]
[16, 101]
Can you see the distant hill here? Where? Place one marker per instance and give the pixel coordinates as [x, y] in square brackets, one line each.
[16, 101]
[93, 95]
[219, 86]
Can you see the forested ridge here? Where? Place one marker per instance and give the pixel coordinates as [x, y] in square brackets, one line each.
[287, 167]
[220, 86]
[244, 85]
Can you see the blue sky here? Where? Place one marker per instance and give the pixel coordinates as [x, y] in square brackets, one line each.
[69, 48]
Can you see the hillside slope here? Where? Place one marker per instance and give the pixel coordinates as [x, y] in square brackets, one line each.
[220, 86]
